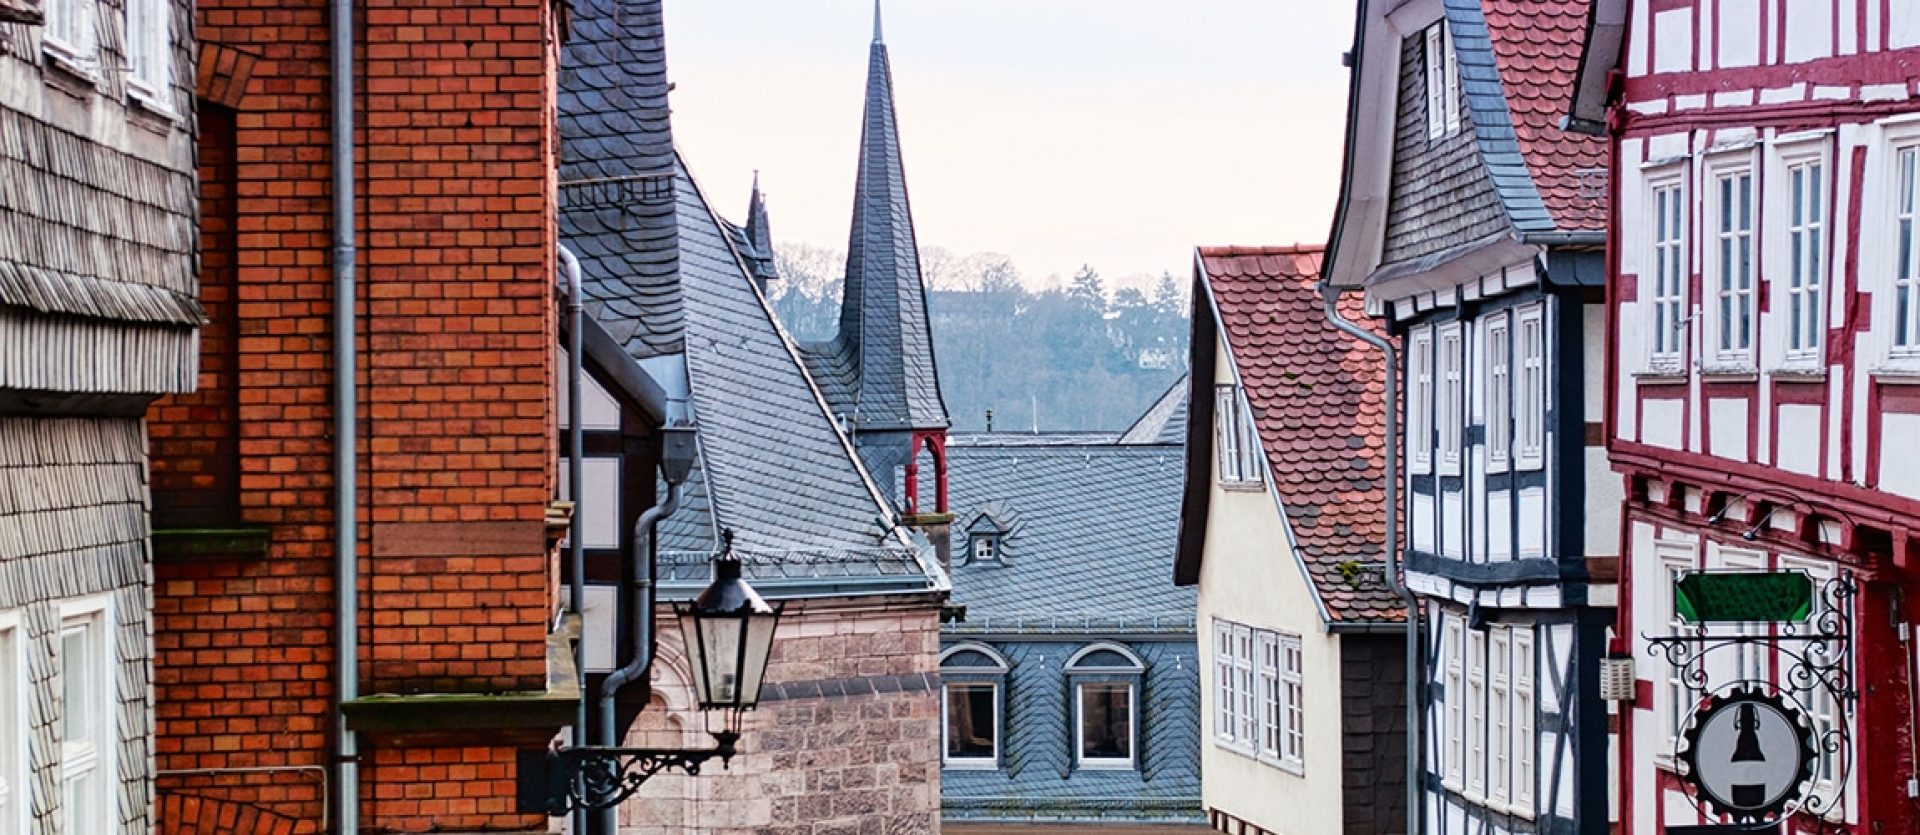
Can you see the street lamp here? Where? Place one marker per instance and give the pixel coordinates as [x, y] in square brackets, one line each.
[728, 630]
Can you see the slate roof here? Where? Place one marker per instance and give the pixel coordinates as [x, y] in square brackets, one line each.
[801, 507]
[1092, 529]
[1318, 401]
[1518, 61]
[1165, 422]
[617, 208]
[878, 370]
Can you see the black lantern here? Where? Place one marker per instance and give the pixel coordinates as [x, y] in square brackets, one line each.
[728, 632]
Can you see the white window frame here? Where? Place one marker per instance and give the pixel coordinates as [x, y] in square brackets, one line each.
[1293, 708]
[947, 760]
[1441, 77]
[1267, 645]
[149, 44]
[1080, 757]
[14, 794]
[1526, 740]
[1499, 716]
[1903, 308]
[1668, 272]
[1238, 453]
[1731, 284]
[1224, 699]
[1420, 382]
[1670, 689]
[1534, 392]
[1499, 391]
[93, 757]
[1450, 411]
[1452, 649]
[1806, 181]
[69, 35]
[985, 546]
[1237, 724]
[1818, 701]
[1476, 710]
[1246, 724]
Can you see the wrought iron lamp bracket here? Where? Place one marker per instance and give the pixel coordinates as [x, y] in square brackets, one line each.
[602, 777]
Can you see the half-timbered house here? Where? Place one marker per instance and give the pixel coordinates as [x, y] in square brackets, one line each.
[1474, 224]
[1765, 289]
[98, 311]
[1282, 534]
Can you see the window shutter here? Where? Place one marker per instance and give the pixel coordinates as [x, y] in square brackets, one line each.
[1436, 106]
[1450, 70]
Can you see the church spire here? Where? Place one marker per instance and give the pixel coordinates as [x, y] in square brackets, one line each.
[876, 22]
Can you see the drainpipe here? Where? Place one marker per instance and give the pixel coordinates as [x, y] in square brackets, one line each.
[576, 544]
[346, 587]
[1331, 298]
[642, 614]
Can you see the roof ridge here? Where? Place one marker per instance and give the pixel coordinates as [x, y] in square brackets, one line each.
[1232, 250]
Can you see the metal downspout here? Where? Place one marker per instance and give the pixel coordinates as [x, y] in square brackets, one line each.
[346, 623]
[576, 544]
[1331, 298]
[642, 614]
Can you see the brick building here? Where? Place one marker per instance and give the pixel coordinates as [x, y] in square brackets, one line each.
[454, 326]
[97, 318]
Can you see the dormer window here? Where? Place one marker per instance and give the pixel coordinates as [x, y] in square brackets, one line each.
[986, 548]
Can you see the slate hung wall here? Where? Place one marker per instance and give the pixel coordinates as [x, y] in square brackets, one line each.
[454, 140]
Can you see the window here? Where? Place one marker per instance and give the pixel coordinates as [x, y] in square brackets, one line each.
[1106, 683]
[1499, 392]
[1236, 441]
[1676, 558]
[1524, 777]
[1442, 82]
[85, 727]
[973, 677]
[1476, 713]
[1259, 694]
[150, 49]
[1669, 265]
[13, 729]
[1733, 268]
[69, 32]
[1420, 403]
[1806, 259]
[1500, 716]
[1906, 277]
[1293, 693]
[1816, 699]
[1450, 650]
[986, 548]
[1531, 402]
[1451, 388]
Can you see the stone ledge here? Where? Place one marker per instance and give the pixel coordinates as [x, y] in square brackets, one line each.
[513, 718]
[196, 544]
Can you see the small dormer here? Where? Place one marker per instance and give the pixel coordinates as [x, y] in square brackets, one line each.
[989, 532]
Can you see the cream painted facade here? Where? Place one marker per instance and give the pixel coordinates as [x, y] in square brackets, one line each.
[1252, 577]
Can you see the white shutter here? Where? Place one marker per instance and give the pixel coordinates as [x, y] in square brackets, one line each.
[1435, 82]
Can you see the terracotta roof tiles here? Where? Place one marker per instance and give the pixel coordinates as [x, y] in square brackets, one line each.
[1536, 48]
[1318, 400]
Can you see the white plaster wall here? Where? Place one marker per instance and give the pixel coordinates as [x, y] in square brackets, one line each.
[1250, 575]
[1799, 428]
[1899, 466]
[1728, 416]
[1738, 38]
[1606, 489]
[1673, 41]
[1662, 423]
[1809, 30]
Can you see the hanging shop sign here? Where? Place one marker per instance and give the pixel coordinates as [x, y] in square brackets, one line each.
[1743, 596]
[1748, 754]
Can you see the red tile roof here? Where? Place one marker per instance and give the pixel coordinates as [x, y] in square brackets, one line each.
[1318, 398]
[1536, 47]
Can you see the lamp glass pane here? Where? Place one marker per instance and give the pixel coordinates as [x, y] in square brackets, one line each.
[759, 634]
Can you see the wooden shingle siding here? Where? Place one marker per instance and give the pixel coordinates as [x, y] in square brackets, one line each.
[73, 525]
[1373, 729]
[1440, 196]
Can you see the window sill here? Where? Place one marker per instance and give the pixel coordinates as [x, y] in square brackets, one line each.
[1798, 374]
[1901, 374]
[148, 111]
[1729, 374]
[968, 766]
[70, 74]
[1096, 765]
[1244, 486]
[1661, 377]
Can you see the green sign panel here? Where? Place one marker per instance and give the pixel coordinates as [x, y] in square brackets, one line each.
[1743, 596]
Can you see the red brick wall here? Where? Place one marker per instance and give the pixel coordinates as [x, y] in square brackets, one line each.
[456, 242]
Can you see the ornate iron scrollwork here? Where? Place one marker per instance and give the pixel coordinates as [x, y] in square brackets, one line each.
[558, 781]
[1817, 655]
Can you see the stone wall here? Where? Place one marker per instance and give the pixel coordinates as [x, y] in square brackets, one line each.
[846, 740]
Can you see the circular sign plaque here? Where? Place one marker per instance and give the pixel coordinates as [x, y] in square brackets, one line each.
[1748, 754]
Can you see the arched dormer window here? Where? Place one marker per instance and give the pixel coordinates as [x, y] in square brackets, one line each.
[1106, 681]
[972, 706]
[987, 530]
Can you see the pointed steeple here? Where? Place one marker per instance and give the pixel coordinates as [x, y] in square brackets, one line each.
[876, 22]
[885, 352]
[759, 238]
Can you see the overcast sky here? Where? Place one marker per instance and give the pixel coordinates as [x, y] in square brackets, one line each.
[1119, 133]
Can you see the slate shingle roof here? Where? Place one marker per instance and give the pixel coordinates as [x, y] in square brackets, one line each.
[616, 163]
[1518, 60]
[1165, 422]
[878, 369]
[1093, 528]
[1318, 402]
